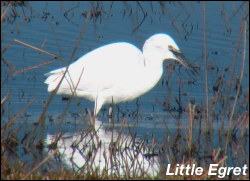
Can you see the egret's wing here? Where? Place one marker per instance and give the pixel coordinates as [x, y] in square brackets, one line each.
[107, 67]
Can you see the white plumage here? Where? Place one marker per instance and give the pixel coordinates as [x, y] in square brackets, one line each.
[116, 72]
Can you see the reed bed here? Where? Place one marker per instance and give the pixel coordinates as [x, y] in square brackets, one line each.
[25, 155]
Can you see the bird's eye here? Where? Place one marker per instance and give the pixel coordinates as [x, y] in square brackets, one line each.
[170, 47]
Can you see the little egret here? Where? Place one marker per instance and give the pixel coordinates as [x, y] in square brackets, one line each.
[116, 72]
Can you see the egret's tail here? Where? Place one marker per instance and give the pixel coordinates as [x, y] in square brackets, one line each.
[54, 78]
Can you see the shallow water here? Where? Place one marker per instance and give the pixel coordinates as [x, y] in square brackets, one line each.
[56, 27]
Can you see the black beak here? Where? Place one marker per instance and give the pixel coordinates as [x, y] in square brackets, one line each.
[183, 60]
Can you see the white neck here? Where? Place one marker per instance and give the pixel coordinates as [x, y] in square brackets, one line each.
[153, 65]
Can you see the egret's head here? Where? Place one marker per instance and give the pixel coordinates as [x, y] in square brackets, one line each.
[167, 47]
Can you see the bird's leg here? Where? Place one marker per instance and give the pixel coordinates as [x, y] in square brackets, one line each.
[98, 105]
[110, 113]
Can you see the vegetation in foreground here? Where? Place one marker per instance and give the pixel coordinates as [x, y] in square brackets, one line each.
[24, 155]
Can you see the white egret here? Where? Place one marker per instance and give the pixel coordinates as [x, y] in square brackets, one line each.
[116, 72]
